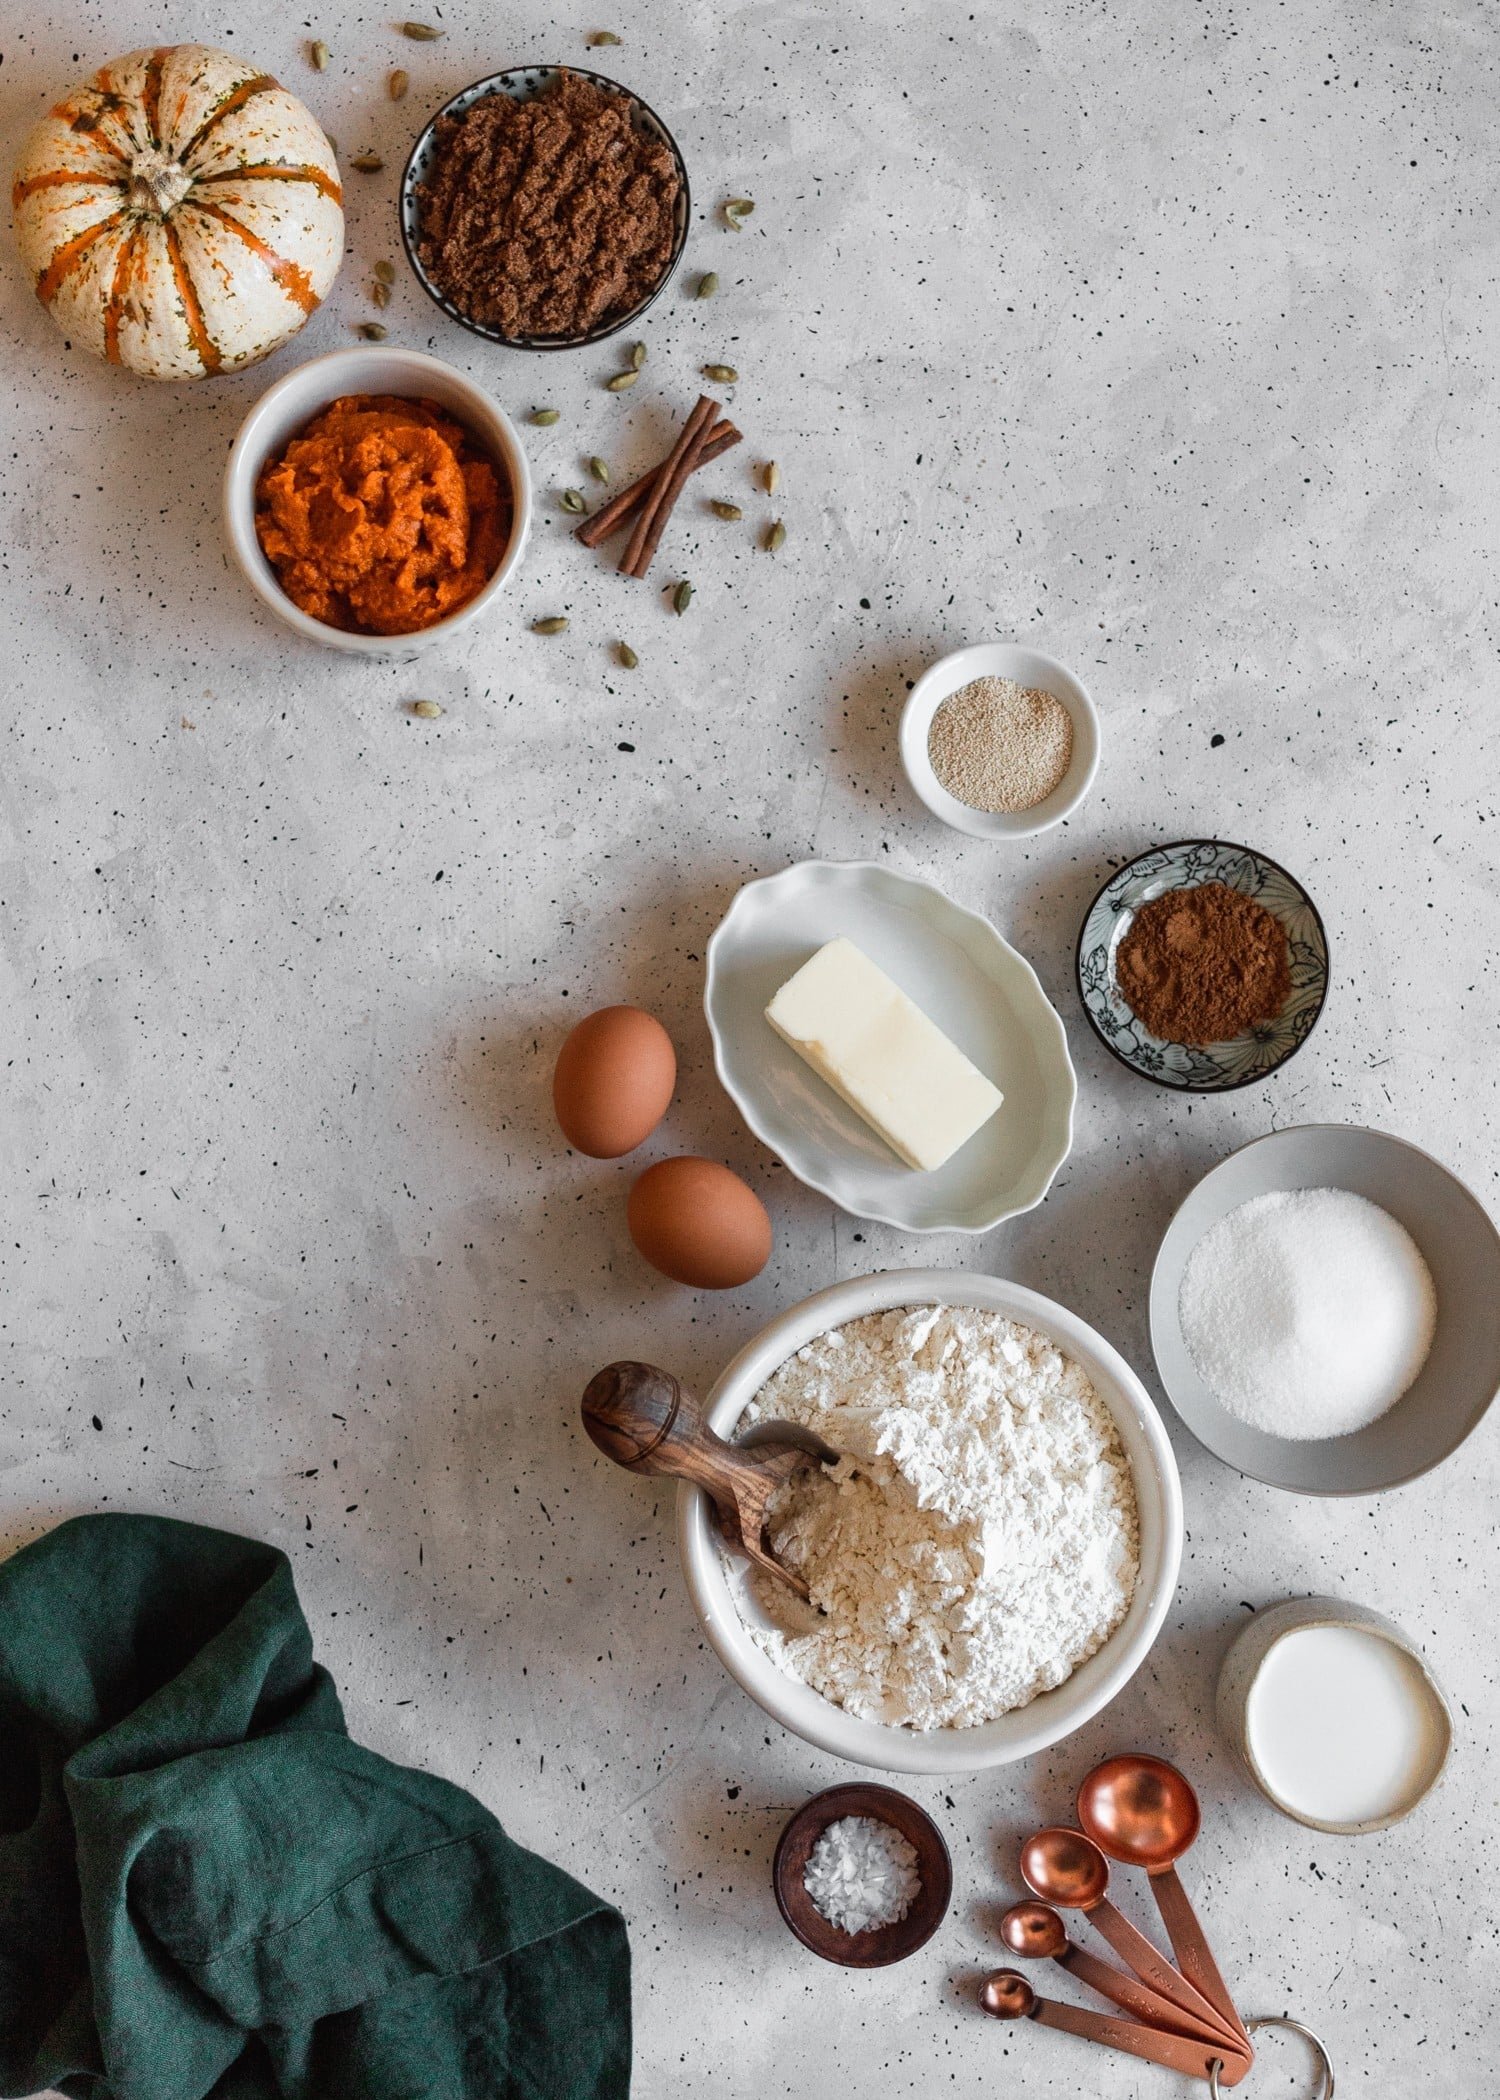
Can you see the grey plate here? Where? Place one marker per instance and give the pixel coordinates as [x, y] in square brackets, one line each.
[1208, 1068]
[521, 82]
[1461, 1248]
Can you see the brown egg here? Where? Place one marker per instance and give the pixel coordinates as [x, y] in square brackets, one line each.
[699, 1224]
[613, 1081]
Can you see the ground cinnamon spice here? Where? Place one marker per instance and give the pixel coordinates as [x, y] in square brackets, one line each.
[1204, 965]
[548, 215]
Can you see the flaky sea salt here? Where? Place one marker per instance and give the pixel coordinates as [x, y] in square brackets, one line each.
[862, 1874]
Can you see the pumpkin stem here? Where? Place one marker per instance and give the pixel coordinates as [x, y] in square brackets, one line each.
[158, 183]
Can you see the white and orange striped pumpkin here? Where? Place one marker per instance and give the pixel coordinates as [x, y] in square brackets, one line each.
[180, 212]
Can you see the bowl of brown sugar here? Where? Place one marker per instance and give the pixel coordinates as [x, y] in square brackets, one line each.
[1000, 741]
[545, 207]
[1202, 965]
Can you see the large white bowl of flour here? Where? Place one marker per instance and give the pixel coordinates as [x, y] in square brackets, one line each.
[745, 1640]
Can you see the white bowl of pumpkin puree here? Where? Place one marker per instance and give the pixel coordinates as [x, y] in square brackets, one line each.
[377, 501]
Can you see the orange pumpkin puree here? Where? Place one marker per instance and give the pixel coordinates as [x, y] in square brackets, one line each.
[382, 516]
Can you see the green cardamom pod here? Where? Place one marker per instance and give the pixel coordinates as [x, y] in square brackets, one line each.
[553, 626]
[682, 597]
[621, 380]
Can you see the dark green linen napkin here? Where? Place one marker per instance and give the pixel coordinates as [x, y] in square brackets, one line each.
[207, 1889]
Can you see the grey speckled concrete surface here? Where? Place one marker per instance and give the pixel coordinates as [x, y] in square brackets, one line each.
[1162, 336]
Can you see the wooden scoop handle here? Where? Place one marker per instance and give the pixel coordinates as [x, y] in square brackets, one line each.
[641, 1418]
[1173, 2050]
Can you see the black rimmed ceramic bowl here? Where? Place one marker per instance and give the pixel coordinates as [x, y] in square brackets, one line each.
[883, 1944]
[1208, 1068]
[520, 83]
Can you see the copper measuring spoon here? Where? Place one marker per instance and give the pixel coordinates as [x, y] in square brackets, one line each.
[1036, 1933]
[1008, 1996]
[1067, 1869]
[644, 1420]
[1142, 1812]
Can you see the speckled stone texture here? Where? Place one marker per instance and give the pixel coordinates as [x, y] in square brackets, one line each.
[1159, 336]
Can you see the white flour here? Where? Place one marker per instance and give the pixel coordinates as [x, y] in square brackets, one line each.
[983, 1541]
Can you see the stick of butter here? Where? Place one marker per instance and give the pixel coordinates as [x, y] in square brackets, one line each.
[882, 1055]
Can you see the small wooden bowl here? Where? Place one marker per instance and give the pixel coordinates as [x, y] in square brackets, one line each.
[885, 1943]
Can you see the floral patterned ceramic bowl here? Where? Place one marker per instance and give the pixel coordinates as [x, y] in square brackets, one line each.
[1211, 1068]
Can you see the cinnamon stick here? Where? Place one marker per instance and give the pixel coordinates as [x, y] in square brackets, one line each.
[657, 508]
[622, 508]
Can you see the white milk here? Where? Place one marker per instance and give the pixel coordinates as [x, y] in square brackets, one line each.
[1344, 1725]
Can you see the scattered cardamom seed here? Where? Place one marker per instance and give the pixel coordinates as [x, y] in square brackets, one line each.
[770, 474]
[637, 356]
[383, 272]
[599, 468]
[603, 36]
[544, 418]
[775, 538]
[722, 375]
[553, 626]
[421, 32]
[621, 380]
[372, 331]
[572, 499]
[367, 163]
[427, 709]
[730, 511]
[682, 597]
[380, 293]
[319, 54]
[708, 284]
[397, 85]
[627, 655]
[737, 210]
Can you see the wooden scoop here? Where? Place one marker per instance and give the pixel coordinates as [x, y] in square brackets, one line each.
[642, 1419]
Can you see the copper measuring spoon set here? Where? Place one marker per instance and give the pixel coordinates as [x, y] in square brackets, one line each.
[1139, 1812]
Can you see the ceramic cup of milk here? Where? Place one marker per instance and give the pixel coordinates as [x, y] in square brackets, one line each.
[1335, 1715]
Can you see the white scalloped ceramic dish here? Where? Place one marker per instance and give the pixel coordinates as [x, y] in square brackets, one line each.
[717, 1591]
[956, 967]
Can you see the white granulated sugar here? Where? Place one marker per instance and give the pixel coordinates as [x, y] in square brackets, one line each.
[979, 1539]
[1308, 1312]
[862, 1874]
